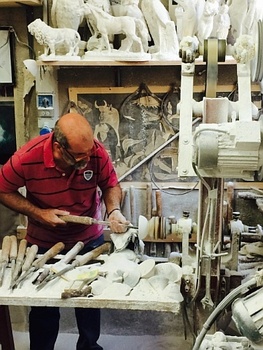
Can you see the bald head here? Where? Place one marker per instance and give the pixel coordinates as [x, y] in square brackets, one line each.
[75, 130]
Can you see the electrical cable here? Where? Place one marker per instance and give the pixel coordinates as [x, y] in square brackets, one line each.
[12, 30]
[151, 172]
[222, 306]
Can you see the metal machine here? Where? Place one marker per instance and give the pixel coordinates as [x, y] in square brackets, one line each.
[227, 144]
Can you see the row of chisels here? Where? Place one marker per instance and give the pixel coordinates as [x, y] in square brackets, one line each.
[24, 261]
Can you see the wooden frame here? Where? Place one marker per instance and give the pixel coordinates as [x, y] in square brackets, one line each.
[7, 130]
[6, 61]
[127, 138]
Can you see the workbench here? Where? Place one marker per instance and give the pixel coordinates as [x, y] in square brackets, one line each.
[50, 295]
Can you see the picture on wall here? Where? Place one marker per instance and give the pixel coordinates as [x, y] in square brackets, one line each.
[6, 62]
[7, 131]
[128, 121]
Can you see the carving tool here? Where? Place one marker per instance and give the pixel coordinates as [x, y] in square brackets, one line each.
[30, 256]
[40, 262]
[79, 261]
[47, 273]
[6, 245]
[19, 260]
[87, 220]
[13, 253]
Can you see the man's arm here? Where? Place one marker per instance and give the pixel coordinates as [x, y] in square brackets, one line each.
[17, 202]
[112, 200]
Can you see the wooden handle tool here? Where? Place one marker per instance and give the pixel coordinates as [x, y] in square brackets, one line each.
[13, 253]
[6, 245]
[19, 260]
[87, 220]
[53, 251]
[93, 254]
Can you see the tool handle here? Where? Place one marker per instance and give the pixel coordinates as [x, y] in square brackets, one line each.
[86, 220]
[53, 251]
[6, 245]
[93, 254]
[13, 249]
[72, 252]
[21, 250]
[30, 256]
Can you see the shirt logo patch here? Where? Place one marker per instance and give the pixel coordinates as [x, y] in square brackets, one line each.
[88, 174]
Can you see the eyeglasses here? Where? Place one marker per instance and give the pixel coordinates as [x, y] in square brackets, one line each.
[80, 155]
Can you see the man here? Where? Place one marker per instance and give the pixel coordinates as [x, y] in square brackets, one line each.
[64, 172]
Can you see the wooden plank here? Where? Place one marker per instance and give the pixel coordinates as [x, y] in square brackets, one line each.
[83, 62]
[15, 3]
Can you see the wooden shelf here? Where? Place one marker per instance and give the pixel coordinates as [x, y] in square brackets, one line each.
[15, 3]
[151, 63]
[172, 238]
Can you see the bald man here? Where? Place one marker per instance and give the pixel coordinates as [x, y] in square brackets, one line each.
[64, 172]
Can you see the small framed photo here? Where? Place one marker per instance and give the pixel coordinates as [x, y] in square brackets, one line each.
[45, 101]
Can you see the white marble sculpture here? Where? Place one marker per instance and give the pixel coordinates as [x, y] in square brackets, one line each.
[103, 25]
[206, 22]
[221, 23]
[162, 30]
[192, 11]
[57, 42]
[237, 13]
[254, 14]
[131, 8]
[67, 13]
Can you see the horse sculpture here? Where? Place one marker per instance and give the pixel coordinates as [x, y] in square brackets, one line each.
[105, 24]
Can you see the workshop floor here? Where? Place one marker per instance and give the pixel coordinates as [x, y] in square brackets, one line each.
[111, 342]
[121, 329]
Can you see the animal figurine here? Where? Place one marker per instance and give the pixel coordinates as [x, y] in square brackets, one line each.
[104, 24]
[55, 39]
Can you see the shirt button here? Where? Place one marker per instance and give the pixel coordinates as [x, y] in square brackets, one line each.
[63, 174]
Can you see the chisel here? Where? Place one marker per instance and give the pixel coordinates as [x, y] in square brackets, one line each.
[87, 220]
[19, 260]
[79, 261]
[6, 245]
[30, 257]
[40, 262]
[49, 271]
[13, 253]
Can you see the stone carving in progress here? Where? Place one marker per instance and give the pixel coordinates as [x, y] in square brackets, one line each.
[55, 40]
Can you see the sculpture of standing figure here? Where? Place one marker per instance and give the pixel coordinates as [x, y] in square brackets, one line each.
[67, 13]
[237, 13]
[192, 11]
[162, 29]
[221, 23]
[206, 23]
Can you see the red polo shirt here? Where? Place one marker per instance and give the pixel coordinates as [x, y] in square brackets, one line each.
[33, 166]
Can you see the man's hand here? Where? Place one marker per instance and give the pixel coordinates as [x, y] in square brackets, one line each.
[118, 222]
[50, 217]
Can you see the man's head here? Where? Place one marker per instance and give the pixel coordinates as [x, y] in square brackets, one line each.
[73, 140]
